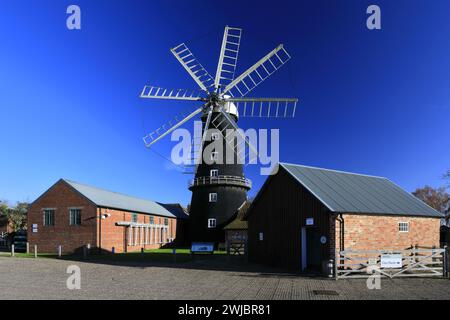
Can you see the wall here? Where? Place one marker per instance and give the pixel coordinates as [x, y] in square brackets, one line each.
[61, 197]
[116, 236]
[279, 212]
[375, 232]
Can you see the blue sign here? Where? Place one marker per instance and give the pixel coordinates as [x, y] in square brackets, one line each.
[202, 247]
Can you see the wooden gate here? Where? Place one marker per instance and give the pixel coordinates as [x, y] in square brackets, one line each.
[405, 263]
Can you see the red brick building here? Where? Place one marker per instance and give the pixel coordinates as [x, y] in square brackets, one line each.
[303, 216]
[75, 215]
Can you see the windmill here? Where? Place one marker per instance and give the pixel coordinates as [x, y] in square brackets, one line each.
[219, 188]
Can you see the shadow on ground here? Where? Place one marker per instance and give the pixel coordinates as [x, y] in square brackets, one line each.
[216, 262]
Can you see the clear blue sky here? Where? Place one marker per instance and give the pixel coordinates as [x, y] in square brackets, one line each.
[375, 102]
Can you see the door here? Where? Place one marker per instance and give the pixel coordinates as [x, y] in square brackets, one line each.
[313, 249]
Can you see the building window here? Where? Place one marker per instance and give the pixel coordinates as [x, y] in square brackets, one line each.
[215, 136]
[152, 220]
[212, 223]
[49, 217]
[134, 217]
[166, 221]
[403, 226]
[214, 173]
[261, 236]
[213, 197]
[75, 217]
[214, 156]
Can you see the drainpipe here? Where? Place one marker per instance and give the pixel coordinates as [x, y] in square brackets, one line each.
[100, 231]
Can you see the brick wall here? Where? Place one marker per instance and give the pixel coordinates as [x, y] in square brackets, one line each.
[61, 197]
[374, 232]
[118, 237]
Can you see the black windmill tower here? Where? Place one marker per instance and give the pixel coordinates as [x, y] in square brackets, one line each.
[219, 186]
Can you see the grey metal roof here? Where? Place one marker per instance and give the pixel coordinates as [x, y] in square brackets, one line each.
[114, 200]
[346, 192]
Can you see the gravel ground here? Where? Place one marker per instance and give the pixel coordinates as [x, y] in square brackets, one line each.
[29, 278]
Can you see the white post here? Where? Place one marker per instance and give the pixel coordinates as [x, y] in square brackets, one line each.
[28, 247]
[12, 250]
[130, 240]
[35, 250]
[59, 251]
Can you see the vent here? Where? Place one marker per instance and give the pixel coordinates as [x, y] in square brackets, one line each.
[325, 293]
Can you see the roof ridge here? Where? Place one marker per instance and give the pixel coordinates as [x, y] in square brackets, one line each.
[332, 170]
[115, 192]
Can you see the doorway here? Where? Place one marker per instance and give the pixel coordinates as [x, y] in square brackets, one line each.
[310, 249]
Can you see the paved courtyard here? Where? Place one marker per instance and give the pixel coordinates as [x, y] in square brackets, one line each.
[43, 278]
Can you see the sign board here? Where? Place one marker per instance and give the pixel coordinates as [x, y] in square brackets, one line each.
[261, 236]
[309, 221]
[35, 228]
[202, 247]
[372, 261]
[391, 261]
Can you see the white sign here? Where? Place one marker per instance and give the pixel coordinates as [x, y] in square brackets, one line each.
[35, 228]
[309, 221]
[391, 261]
[261, 236]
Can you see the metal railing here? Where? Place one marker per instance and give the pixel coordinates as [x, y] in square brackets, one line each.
[225, 180]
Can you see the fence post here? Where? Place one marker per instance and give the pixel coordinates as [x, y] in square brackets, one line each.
[59, 251]
[28, 247]
[446, 263]
[12, 250]
[35, 250]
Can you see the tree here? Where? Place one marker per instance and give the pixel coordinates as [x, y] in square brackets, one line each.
[447, 177]
[436, 198]
[3, 208]
[17, 216]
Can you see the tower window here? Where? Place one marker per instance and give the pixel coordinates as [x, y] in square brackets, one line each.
[213, 197]
[212, 223]
[214, 156]
[215, 136]
[214, 173]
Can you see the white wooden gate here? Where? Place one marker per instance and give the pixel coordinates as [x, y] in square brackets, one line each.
[414, 263]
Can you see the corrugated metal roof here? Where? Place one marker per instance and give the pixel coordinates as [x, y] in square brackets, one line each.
[357, 193]
[114, 200]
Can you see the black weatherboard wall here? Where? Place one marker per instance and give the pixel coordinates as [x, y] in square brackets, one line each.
[280, 211]
[230, 193]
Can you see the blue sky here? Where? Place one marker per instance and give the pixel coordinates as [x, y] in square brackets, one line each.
[374, 102]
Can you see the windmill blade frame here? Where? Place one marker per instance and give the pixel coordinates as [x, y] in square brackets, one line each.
[228, 57]
[265, 107]
[193, 66]
[161, 132]
[259, 72]
[236, 128]
[151, 92]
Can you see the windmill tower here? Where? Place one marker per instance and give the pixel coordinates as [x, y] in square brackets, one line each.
[219, 186]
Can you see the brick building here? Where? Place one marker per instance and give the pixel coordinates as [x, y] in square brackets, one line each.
[303, 216]
[74, 215]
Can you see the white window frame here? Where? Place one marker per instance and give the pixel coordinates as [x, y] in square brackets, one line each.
[403, 226]
[212, 223]
[215, 136]
[214, 155]
[214, 173]
[213, 197]
[70, 216]
[49, 209]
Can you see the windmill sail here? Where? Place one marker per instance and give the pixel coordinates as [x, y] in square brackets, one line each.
[228, 56]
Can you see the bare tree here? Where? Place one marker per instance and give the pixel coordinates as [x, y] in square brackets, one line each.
[436, 198]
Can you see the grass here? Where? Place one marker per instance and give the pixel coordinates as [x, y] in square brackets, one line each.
[159, 255]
